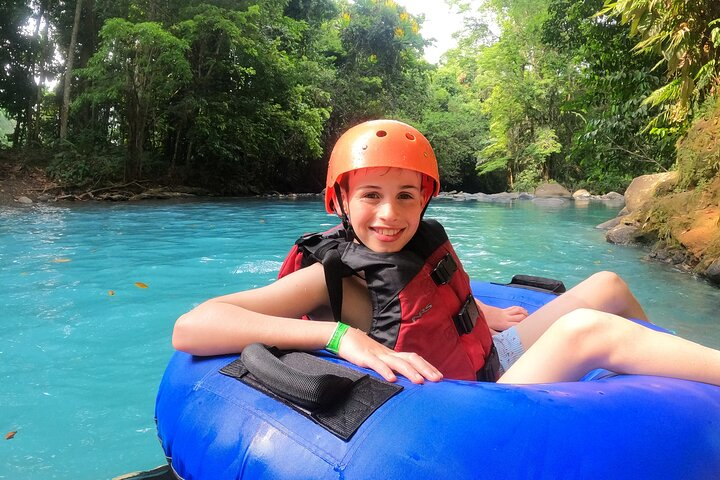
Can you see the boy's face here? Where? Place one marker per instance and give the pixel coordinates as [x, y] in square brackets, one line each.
[384, 206]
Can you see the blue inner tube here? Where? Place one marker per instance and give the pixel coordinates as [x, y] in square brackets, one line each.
[212, 426]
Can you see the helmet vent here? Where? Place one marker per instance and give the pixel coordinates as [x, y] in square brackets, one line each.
[381, 133]
[409, 136]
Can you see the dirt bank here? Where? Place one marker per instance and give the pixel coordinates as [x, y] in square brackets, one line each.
[17, 181]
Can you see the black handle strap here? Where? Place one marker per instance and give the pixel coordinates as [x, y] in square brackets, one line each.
[542, 284]
[306, 389]
[357, 396]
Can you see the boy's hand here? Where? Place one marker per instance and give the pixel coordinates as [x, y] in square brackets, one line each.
[361, 350]
[500, 319]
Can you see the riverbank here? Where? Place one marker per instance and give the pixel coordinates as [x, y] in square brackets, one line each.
[689, 246]
[18, 181]
[22, 184]
[680, 227]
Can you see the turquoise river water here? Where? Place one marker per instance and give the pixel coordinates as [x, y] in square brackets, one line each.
[90, 294]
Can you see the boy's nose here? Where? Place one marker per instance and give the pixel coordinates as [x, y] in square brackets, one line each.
[388, 210]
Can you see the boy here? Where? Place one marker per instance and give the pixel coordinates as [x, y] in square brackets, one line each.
[381, 177]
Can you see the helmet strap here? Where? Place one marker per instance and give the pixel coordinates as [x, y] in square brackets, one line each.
[350, 234]
[422, 214]
[429, 196]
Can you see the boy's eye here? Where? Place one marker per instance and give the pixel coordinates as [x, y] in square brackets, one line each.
[406, 196]
[371, 195]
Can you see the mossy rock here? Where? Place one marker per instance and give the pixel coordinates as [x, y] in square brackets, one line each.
[698, 153]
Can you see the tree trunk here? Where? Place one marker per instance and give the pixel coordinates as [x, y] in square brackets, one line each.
[70, 60]
[31, 136]
[34, 128]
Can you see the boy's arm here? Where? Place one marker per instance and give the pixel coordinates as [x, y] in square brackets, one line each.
[271, 315]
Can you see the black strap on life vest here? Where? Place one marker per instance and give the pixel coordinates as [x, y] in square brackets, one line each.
[333, 268]
[490, 371]
[467, 316]
[444, 270]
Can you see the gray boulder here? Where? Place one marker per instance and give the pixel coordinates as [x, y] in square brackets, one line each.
[552, 190]
[582, 193]
[645, 187]
[623, 234]
[613, 222]
[713, 272]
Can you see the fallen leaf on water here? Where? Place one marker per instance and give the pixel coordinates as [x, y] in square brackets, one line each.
[141, 285]
[111, 292]
[10, 435]
[61, 260]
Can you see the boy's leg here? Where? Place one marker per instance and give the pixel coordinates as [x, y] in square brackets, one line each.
[603, 291]
[586, 339]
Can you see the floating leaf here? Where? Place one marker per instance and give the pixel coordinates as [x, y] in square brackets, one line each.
[111, 292]
[61, 260]
[10, 435]
[141, 285]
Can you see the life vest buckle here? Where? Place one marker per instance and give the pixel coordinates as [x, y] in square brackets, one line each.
[466, 319]
[444, 270]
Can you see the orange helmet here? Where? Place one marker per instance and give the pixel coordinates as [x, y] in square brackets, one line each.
[381, 143]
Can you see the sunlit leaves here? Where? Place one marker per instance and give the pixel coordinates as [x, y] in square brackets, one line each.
[685, 34]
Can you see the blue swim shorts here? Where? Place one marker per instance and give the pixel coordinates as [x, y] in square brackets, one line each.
[508, 347]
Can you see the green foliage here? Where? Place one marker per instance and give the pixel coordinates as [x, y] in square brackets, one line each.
[255, 109]
[686, 35]
[136, 71]
[6, 128]
[380, 72]
[249, 96]
[455, 127]
[608, 146]
[18, 52]
[528, 180]
[76, 168]
[522, 84]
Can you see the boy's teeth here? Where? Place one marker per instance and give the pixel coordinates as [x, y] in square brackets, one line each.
[388, 231]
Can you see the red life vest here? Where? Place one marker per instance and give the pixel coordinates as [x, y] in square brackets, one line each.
[421, 297]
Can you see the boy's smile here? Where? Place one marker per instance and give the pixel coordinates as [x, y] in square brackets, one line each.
[384, 206]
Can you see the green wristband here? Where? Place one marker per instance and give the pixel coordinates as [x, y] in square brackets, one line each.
[334, 343]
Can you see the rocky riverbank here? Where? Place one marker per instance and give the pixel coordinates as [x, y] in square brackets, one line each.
[680, 227]
[17, 182]
[26, 185]
[548, 194]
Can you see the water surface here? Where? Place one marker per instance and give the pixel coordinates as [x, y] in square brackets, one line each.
[83, 345]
